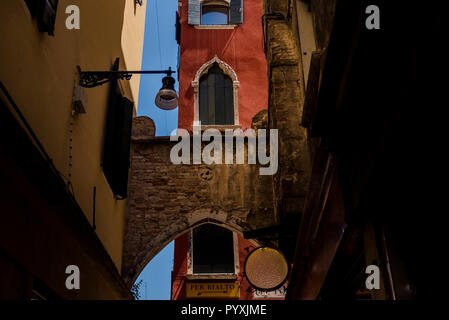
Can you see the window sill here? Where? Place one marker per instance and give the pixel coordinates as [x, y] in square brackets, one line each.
[220, 127]
[216, 27]
[217, 276]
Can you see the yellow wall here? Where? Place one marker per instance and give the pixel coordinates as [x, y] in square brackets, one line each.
[39, 72]
[132, 42]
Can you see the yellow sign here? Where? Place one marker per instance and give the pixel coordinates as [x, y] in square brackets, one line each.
[212, 289]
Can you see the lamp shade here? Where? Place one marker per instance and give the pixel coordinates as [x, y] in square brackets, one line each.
[167, 99]
[266, 269]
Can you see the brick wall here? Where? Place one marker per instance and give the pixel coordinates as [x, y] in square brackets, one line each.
[166, 200]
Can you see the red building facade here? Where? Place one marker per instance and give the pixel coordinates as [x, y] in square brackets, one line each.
[222, 83]
[237, 47]
[188, 285]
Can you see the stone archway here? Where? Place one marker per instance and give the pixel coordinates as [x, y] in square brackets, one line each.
[162, 239]
[167, 200]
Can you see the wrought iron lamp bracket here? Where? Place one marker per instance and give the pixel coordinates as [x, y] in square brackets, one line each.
[91, 79]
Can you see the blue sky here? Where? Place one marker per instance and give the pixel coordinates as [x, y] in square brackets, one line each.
[156, 276]
[160, 51]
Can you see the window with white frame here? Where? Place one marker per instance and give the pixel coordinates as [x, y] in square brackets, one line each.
[216, 94]
[215, 12]
[212, 250]
[216, 98]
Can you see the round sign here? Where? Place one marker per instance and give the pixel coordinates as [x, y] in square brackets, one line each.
[266, 269]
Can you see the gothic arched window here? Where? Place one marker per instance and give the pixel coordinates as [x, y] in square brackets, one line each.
[206, 258]
[216, 98]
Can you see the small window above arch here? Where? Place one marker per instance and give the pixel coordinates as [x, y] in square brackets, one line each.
[214, 13]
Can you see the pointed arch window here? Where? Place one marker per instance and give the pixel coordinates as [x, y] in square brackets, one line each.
[206, 259]
[216, 98]
[216, 94]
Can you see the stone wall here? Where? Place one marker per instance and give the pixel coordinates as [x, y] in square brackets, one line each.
[167, 200]
[286, 101]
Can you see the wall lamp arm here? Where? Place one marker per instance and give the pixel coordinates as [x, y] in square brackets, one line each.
[91, 79]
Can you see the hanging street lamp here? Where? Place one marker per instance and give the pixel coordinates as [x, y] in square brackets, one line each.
[166, 99]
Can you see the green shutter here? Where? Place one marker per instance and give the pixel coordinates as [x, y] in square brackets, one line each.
[220, 98]
[124, 146]
[108, 161]
[116, 160]
[236, 12]
[229, 101]
[216, 98]
[194, 12]
[211, 97]
[117, 140]
[204, 104]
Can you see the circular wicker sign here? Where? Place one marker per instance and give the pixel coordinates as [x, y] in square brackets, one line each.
[266, 269]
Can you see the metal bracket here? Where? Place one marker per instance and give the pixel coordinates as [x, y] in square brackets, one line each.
[91, 79]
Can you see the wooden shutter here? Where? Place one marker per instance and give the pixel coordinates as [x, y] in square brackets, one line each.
[124, 125]
[111, 137]
[220, 98]
[108, 152]
[228, 101]
[204, 104]
[236, 12]
[194, 12]
[216, 98]
[211, 96]
[46, 15]
[117, 141]
[117, 144]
